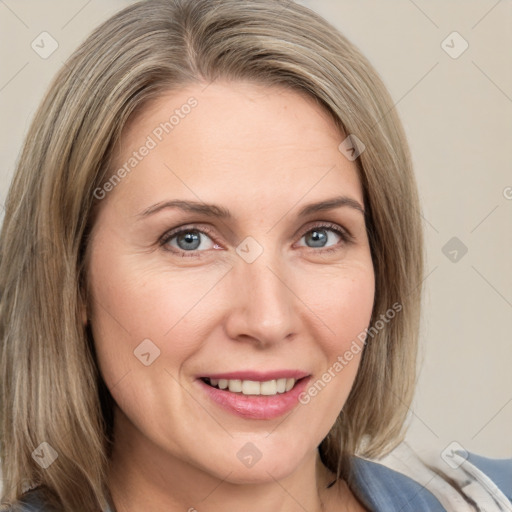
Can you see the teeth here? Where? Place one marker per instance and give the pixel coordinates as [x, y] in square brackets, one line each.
[235, 386]
[268, 388]
[289, 384]
[252, 387]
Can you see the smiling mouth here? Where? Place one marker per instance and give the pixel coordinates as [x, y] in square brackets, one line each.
[253, 387]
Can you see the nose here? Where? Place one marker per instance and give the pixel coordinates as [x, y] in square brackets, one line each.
[263, 307]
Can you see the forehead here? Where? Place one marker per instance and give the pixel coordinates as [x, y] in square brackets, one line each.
[233, 139]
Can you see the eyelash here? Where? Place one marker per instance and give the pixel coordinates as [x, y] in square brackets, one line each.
[345, 236]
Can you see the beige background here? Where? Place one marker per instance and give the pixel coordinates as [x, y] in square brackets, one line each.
[458, 116]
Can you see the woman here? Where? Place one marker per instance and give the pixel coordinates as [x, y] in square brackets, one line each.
[220, 305]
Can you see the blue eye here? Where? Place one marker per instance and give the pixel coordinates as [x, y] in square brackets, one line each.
[318, 234]
[188, 240]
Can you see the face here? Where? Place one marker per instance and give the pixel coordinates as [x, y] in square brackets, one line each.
[265, 298]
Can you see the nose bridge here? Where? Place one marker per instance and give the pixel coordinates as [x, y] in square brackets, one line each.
[265, 305]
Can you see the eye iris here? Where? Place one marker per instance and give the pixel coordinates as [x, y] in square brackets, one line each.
[192, 238]
[189, 237]
[318, 235]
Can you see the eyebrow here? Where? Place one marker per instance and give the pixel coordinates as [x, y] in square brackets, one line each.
[212, 210]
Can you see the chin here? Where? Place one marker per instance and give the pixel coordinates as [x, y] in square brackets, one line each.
[276, 465]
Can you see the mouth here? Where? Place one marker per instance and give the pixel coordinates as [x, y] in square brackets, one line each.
[253, 387]
[253, 395]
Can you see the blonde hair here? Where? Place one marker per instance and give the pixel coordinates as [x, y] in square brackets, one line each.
[51, 389]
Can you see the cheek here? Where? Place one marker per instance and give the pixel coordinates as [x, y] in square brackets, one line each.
[137, 310]
[345, 307]
[355, 304]
[136, 318]
[343, 301]
[133, 302]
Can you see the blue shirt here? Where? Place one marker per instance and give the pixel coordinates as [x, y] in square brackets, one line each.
[378, 487]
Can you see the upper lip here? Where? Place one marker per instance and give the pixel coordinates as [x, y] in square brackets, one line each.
[257, 375]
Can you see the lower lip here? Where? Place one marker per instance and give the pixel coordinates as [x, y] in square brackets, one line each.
[256, 407]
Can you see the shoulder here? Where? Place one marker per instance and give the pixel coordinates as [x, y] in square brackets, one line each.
[499, 471]
[449, 481]
[382, 488]
[31, 501]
